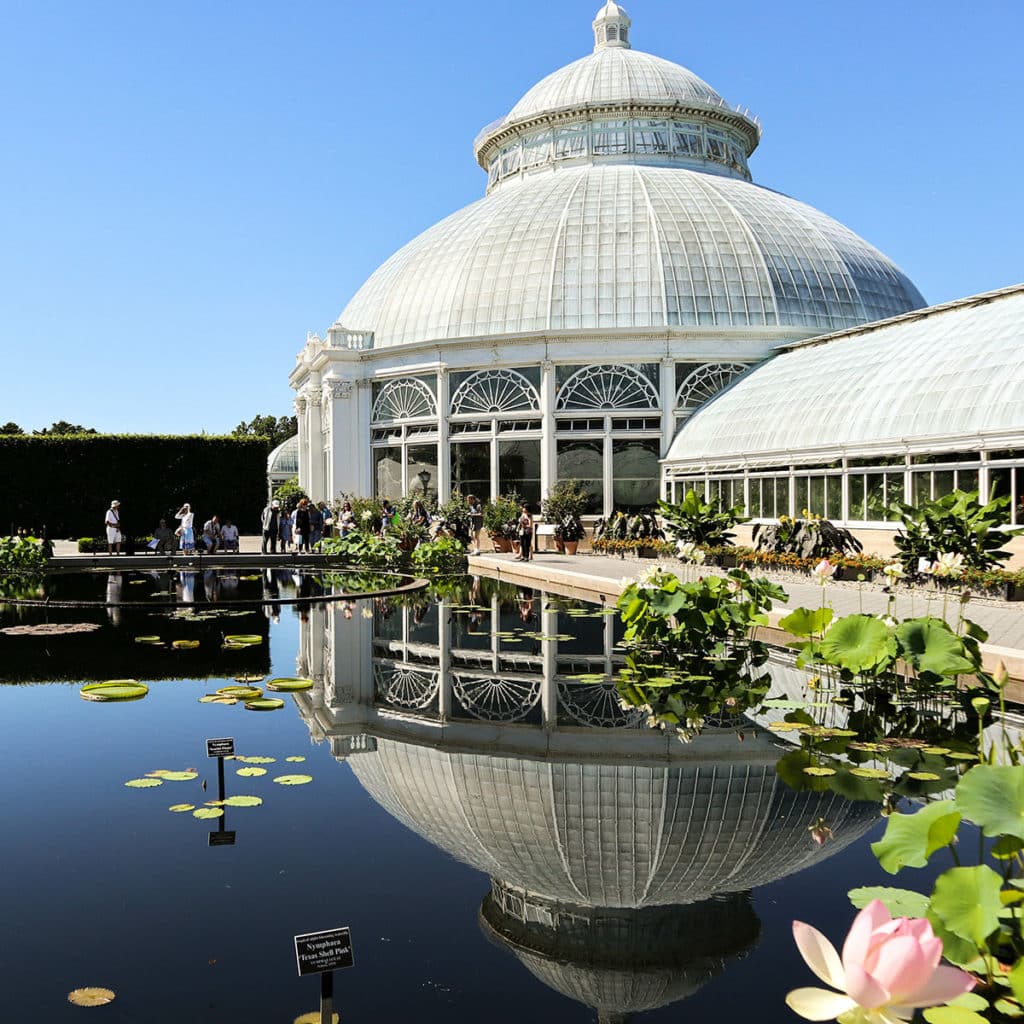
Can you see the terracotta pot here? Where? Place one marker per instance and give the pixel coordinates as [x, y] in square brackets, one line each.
[501, 545]
[559, 545]
[571, 546]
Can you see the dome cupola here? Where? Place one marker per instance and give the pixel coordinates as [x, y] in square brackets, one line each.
[611, 26]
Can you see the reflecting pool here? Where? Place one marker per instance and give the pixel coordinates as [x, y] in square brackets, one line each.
[504, 840]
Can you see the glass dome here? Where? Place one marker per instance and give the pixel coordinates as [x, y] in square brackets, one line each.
[284, 459]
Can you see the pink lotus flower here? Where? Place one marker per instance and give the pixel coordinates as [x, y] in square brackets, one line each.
[890, 967]
[824, 570]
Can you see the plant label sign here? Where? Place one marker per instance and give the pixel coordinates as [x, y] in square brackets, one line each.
[221, 839]
[224, 747]
[316, 952]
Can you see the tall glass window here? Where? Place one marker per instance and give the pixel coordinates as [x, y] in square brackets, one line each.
[635, 474]
[471, 469]
[611, 137]
[387, 472]
[519, 469]
[584, 461]
[421, 473]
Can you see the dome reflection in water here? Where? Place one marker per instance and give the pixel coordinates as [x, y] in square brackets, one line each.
[621, 861]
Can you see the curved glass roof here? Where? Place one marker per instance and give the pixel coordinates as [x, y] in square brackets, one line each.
[621, 246]
[284, 459]
[605, 834]
[951, 371]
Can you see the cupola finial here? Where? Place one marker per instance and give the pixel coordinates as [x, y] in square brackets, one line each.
[611, 27]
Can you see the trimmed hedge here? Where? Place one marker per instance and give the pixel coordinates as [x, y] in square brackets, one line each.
[65, 483]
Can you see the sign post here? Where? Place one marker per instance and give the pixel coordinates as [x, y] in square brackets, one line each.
[221, 748]
[323, 953]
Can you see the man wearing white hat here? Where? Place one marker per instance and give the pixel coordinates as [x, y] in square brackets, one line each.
[271, 520]
[113, 524]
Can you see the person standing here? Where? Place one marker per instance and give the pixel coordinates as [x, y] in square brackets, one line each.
[211, 535]
[284, 530]
[302, 525]
[476, 522]
[185, 531]
[525, 535]
[316, 524]
[113, 525]
[346, 520]
[270, 520]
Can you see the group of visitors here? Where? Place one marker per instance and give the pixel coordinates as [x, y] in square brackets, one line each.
[215, 535]
[302, 528]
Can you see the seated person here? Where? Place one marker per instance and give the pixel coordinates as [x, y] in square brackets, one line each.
[164, 537]
[211, 534]
[229, 536]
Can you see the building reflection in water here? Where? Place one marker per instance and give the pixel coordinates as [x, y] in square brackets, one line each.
[621, 860]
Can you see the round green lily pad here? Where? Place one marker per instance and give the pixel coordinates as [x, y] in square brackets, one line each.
[184, 645]
[243, 801]
[179, 776]
[179, 808]
[143, 783]
[818, 772]
[255, 758]
[249, 677]
[208, 812]
[91, 997]
[114, 689]
[924, 776]
[266, 704]
[313, 1017]
[869, 773]
[250, 773]
[148, 640]
[295, 758]
[217, 698]
[241, 692]
[293, 780]
[243, 638]
[289, 685]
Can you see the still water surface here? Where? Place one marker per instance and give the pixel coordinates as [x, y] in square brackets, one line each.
[535, 857]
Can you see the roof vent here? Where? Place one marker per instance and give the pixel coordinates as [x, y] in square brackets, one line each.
[611, 27]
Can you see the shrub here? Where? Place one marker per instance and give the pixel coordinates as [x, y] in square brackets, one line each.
[701, 522]
[367, 511]
[636, 526]
[812, 537]
[501, 515]
[22, 555]
[453, 518]
[365, 550]
[289, 494]
[443, 555]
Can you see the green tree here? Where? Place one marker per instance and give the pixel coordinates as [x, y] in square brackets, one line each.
[277, 428]
[11, 428]
[63, 427]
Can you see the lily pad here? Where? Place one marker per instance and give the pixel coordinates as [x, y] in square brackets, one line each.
[313, 1017]
[869, 773]
[217, 698]
[295, 757]
[249, 677]
[251, 773]
[266, 704]
[289, 685]
[208, 812]
[180, 776]
[247, 639]
[114, 689]
[179, 808]
[818, 772]
[184, 645]
[243, 801]
[148, 640]
[91, 997]
[254, 759]
[143, 783]
[241, 692]
[293, 780]
[924, 776]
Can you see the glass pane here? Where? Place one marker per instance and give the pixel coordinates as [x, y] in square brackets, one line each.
[584, 461]
[894, 491]
[471, 469]
[856, 495]
[387, 472]
[519, 470]
[967, 479]
[817, 502]
[833, 497]
[422, 474]
[782, 496]
[999, 482]
[876, 498]
[756, 501]
[922, 483]
[635, 474]
[800, 501]
[943, 482]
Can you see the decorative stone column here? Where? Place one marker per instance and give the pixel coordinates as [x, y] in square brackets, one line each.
[444, 467]
[300, 413]
[548, 448]
[668, 416]
[315, 449]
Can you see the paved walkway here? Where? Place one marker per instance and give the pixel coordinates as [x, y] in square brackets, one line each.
[602, 576]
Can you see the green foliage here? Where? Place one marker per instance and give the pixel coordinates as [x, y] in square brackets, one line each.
[899, 902]
[453, 518]
[857, 643]
[276, 430]
[10, 427]
[62, 428]
[289, 494]
[365, 550]
[368, 512]
[565, 504]
[957, 524]
[806, 622]
[443, 555]
[66, 483]
[501, 515]
[22, 555]
[992, 796]
[628, 526]
[933, 650]
[910, 839]
[699, 521]
[812, 537]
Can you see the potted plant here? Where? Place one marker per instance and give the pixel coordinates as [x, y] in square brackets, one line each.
[565, 504]
[500, 518]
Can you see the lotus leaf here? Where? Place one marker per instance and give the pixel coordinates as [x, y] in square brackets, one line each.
[924, 776]
[216, 698]
[952, 1015]
[857, 643]
[805, 622]
[266, 704]
[143, 783]
[289, 685]
[293, 780]
[114, 689]
[250, 773]
[870, 773]
[930, 646]
[899, 902]
[148, 640]
[91, 996]
[992, 796]
[208, 812]
[965, 906]
[241, 692]
[818, 772]
[910, 839]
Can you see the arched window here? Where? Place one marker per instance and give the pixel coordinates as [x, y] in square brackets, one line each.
[607, 387]
[402, 399]
[495, 391]
[705, 382]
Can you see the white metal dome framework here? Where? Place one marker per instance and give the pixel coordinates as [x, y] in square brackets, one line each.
[621, 268]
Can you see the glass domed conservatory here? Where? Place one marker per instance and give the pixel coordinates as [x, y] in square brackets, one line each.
[621, 270]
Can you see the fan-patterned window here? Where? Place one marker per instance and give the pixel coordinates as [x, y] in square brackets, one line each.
[607, 387]
[404, 399]
[491, 391]
[705, 382]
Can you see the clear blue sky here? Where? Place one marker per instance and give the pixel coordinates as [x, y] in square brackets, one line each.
[189, 187]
